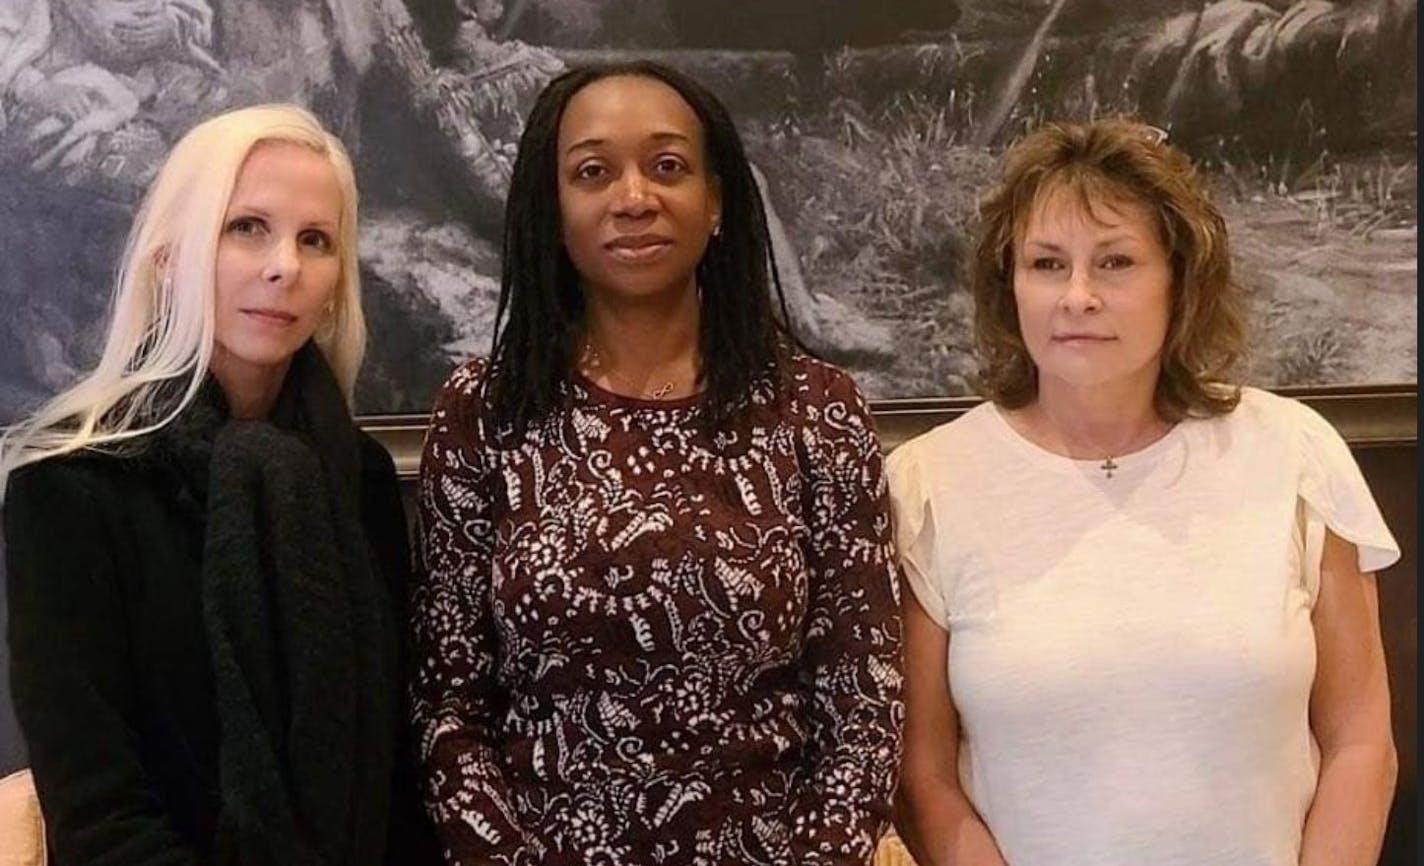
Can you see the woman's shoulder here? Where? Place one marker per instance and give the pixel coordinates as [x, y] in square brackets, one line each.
[952, 439]
[807, 371]
[375, 456]
[947, 459]
[468, 376]
[68, 487]
[85, 473]
[1263, 414]
[827, 403]
[822, 383]
[461, 397]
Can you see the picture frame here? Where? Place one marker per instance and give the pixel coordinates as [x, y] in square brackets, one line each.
[1369, 416]
[873, 129]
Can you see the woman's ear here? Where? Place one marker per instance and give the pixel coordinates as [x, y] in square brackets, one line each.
[715, 195]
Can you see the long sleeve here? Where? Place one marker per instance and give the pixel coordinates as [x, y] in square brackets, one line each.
[457, 701]
[411, 838]
[74, 692]
[851, 663]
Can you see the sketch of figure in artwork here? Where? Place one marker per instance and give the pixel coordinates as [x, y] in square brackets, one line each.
[92, 93]
[73, 73]
[505, 74]
[872, 127]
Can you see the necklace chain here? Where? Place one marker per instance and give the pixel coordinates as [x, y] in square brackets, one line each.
[592, 359]
[1109, 464]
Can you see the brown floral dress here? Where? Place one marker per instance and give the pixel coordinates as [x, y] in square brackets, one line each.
[638, 643]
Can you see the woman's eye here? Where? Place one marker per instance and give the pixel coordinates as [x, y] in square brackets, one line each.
[590, 171]
[1117, 262]
[669, 165]
[245, 226]
[317, 240]
[1044, 263]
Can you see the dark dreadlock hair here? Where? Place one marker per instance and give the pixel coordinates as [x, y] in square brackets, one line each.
[541, 303]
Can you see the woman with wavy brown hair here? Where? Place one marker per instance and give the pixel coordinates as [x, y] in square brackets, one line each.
[1144, 623]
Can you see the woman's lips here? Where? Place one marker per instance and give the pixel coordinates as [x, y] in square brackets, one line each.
[270, 317]
[638, 248]
[1082, 339]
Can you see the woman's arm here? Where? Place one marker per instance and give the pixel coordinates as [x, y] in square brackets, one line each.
[458, 703]
[933, 815]
[73, 688]
[410, 836]
[851, 660]
[1349, 715]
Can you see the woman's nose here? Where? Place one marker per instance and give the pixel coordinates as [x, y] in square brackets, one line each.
[283, 262]
[635, 195]
[1079, 295]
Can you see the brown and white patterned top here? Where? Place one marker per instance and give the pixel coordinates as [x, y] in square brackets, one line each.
[637, 643]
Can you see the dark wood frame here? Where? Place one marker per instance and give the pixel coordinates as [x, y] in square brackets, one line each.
[1367, 416]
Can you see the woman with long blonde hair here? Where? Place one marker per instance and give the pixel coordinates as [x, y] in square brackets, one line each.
[206, 556]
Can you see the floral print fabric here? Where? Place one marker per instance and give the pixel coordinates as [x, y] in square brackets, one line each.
[638, 643]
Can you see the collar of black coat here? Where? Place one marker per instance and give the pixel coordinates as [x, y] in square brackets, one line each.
[310, 406]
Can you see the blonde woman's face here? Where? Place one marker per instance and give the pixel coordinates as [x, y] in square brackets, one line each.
[1093, 289]
[277, 262]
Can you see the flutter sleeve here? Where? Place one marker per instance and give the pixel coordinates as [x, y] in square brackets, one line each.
[913, 515]
[1336, 497]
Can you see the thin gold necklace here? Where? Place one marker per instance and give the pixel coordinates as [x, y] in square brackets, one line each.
[591, 359]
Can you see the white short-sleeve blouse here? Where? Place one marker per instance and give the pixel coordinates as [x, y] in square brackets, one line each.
[1132, 656]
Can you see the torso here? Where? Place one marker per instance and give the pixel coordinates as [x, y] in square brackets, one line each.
[651, 595]
[1131, 657]
[148, 530]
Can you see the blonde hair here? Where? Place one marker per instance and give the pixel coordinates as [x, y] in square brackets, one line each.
[160, 336]
[1114, 159]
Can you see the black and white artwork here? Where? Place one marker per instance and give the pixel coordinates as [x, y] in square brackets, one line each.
[872, 125]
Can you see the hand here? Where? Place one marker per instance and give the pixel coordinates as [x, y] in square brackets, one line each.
[52, 97]
[144, 30]
[103, 104]
[194, 19]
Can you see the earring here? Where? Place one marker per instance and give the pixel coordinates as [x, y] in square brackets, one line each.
[716, 228]
[327, 327]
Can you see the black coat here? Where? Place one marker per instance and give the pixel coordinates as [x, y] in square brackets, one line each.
[110, 665]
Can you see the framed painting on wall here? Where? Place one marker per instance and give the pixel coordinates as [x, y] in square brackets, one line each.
[872, 127]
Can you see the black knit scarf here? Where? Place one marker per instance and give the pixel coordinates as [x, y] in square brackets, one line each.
[302, 646]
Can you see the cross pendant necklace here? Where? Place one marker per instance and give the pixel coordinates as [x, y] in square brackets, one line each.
[1108, 466]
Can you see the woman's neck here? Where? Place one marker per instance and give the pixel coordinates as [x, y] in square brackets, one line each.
[250, 390]
[1093, 422]
[643, 344]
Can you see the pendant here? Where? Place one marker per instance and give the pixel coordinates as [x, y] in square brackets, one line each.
[662, 391]
[1108, 467]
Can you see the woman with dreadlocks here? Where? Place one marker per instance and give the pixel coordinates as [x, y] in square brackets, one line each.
[655, 611]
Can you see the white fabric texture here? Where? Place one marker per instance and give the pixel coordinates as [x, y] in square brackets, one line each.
[1132, 657]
